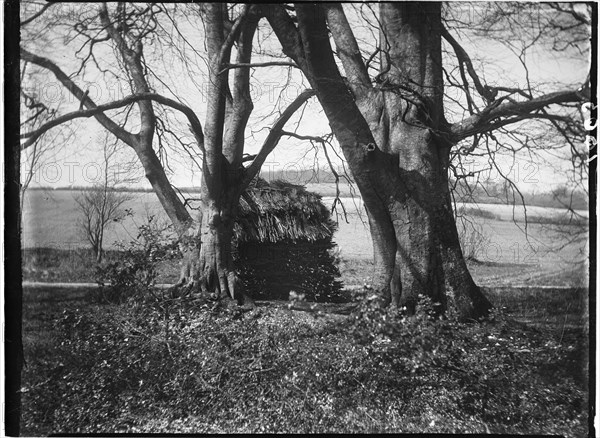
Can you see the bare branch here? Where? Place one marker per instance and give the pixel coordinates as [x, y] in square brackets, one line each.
[347, 47]
[233, 34]
[36, 15]
[118, 131]
[303, 137]
[286, 32]
[97, 110]
[240, 107]
[463, 58]
[259, 64]
[275, 135]
[488, 119]
[132, 57]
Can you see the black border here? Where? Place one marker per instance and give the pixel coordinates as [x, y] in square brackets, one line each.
[13, 288]
[592, 394]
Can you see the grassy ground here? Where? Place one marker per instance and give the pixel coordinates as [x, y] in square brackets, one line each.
[190, 367]
[78, 265]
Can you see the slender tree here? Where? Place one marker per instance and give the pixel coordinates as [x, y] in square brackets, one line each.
[101, 205]
[46, 147]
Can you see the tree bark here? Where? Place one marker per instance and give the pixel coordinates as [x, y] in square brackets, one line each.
[429, 259]
[169, 200]
[392, 136]
[208, 264]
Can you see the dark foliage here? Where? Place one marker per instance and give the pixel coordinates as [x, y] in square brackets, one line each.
[272, 271]
[135, 271]
[186, 366]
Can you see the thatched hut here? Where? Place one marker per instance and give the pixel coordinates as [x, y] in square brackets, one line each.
[283, 237]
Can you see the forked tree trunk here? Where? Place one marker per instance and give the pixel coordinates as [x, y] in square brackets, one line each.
[208, 265]
[392, 136]
[429, 260]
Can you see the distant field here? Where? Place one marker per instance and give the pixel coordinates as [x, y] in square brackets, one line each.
[50, 220]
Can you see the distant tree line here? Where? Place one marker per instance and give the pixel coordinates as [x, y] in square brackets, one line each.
[482, 192]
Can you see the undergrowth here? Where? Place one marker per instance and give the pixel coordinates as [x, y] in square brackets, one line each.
[185, 366]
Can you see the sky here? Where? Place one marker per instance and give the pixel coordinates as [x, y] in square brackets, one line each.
[78, 160]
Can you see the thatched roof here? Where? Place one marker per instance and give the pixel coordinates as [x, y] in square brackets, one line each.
[281, 212]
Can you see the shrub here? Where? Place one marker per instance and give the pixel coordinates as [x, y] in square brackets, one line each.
[134, 272]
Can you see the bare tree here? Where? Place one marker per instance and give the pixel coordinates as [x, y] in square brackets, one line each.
[101, 205]
[35, 113]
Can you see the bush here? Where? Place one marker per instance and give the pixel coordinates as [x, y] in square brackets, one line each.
[134, 272]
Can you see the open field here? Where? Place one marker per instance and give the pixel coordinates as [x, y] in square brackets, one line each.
[542, 256]
[50, 220]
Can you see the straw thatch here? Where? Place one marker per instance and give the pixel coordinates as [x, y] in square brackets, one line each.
[284, 237]
[281, 211]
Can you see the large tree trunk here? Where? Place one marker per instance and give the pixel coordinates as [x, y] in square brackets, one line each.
[392, 136]
[429, 260]
[208, 265]
[215, 264]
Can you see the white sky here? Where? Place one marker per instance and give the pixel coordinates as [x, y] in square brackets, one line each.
[79, 161]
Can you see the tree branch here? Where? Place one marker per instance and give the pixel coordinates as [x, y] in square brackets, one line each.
[347, 47]
[233, 34]
[259, 64]
[196, 126]
[275, 135]
[487, 119]
[463, 58]
[303, 137]
[34, 16]
[241, 106]
[286, 32]
[132, 57]
[214, 15]
[118, 131]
